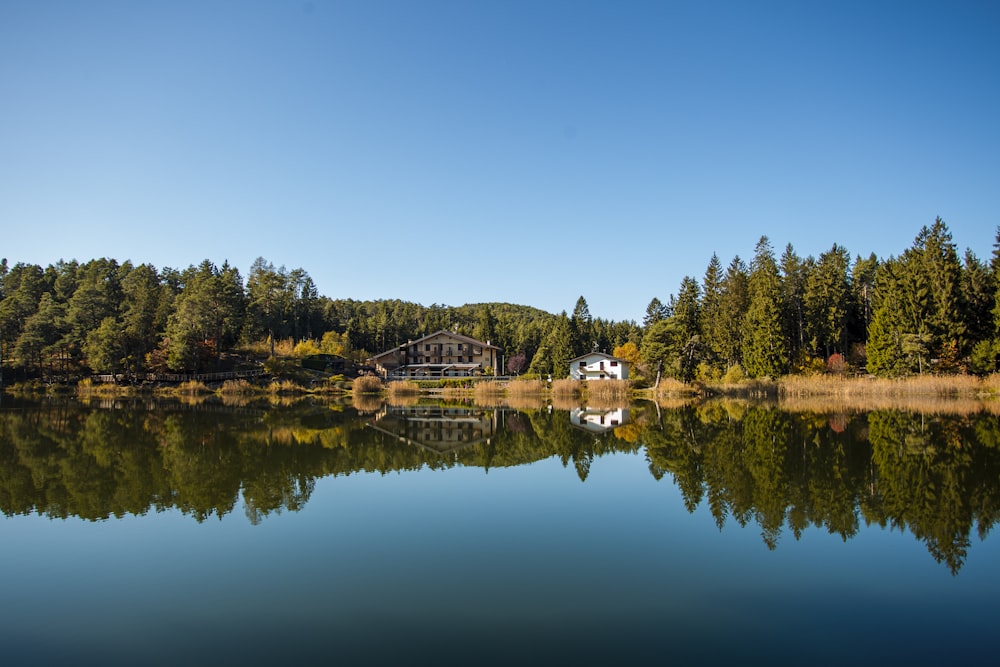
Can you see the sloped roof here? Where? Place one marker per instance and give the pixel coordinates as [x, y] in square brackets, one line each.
[457, 336]
[598, 354]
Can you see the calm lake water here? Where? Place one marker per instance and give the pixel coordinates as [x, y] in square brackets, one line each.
[206, 534]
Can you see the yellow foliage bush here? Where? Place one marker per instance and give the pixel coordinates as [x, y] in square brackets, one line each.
[306, 348]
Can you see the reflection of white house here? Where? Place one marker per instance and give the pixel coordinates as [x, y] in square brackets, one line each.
[598, 366]
[596, 420]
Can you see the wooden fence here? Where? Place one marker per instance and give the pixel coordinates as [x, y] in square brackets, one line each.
[178, 377]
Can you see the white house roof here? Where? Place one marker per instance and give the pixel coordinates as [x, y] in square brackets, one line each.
[597, 354]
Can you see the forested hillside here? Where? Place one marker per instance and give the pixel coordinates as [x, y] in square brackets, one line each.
[925, 310]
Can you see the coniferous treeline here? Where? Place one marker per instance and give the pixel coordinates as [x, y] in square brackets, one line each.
[101, 316]
[926, 310]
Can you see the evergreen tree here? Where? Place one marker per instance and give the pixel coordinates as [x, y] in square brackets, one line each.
[41, 331]
[862, 288]
[142, 318]
[541, 362]
[23, 286]
[486, 326]
[207, 315]
[655, 312]
[687, 308]
[97, 296]
[948, 326]
[560, 346]
[826, 301]
[884, 349]
[581, 329]
[995, 268]
[661, 349]
[979, 292]
[734, 302]
[794, 276]
[764, 349]
[105, 347]
[266, 292]
[711, 308]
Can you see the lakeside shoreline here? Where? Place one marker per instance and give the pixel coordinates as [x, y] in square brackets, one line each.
[789, 389]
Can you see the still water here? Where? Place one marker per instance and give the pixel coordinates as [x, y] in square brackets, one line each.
[204, 534]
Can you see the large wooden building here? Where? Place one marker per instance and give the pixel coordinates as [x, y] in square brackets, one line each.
[440, 354]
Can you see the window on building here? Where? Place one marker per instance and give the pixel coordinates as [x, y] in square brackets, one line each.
[427, 347]
[614, 363]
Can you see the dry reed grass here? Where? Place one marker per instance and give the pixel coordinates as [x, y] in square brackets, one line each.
[672, 387]
[86, 387]
[402, 388]
[920, 385]
[525, 388]
[236, 388]
[566, 387]
[366, 384]
[609, 390]
[489, 392]
[192, 388]
[284, 388]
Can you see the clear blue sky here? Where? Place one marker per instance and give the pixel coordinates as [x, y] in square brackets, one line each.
[494, 150]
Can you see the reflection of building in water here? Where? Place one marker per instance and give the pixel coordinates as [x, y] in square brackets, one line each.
[439, 429]
[598, 420]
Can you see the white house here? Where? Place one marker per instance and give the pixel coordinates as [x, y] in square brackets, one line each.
[598, 366]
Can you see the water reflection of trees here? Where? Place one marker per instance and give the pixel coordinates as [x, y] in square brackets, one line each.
[936, 476]
[932, 474]
[123, 457]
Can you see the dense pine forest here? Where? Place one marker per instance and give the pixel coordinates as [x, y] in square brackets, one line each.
[926, 310]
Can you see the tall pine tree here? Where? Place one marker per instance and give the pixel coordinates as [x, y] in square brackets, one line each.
[764, 348]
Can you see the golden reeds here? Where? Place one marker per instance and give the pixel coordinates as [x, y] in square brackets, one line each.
[609, 390]
[236, 388]
[488, 392]
[366, 384]
[402, 388]
[919, 385]
[566, 387]
[525, 388]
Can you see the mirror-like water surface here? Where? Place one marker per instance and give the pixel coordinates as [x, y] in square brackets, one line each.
[158, 534]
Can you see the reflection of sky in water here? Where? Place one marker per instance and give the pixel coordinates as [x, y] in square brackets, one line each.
[517, 564]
